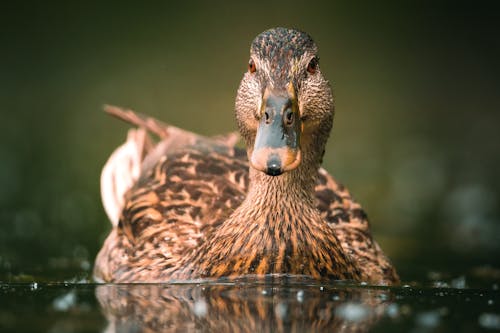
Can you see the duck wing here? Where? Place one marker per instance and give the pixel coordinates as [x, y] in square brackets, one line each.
[352, 228]
[139, 154]
[164, 198]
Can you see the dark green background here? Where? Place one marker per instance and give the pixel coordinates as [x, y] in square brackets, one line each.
[416, 133]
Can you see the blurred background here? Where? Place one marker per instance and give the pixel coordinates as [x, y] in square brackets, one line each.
[416, 135]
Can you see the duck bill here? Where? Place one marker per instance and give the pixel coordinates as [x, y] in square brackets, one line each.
[277, 143]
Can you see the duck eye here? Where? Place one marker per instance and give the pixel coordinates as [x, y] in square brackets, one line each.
[289, 118]
[313, 65]
[251, 66]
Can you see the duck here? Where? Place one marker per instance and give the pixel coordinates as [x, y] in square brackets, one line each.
[188, 207]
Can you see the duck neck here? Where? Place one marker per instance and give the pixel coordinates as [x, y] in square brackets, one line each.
[274, 192]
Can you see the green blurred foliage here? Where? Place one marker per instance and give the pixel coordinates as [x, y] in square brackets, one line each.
[415, 138]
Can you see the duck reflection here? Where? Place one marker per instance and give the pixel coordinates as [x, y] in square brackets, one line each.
[240, 307]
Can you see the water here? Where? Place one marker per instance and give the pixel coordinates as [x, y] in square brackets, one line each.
[245, 307]
[415, 140]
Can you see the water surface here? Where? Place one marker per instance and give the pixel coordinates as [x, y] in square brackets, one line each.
[250, 306]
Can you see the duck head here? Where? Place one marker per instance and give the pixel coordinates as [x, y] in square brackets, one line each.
[284, 105]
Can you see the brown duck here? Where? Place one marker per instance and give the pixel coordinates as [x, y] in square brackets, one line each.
[192, 207]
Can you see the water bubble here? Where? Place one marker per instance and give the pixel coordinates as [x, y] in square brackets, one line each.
[65, 302]
[392, 310]
[300, 296]
[200, 308]
[352, 312]
[428, 319]
[34, 286]
[85, 265]
[490, 321]
[459, 282]
[281, 310]
[440, 284]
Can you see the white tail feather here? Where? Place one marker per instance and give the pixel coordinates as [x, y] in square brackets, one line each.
[121, 171]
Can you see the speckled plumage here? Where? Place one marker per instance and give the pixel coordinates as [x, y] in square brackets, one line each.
[198, 210]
